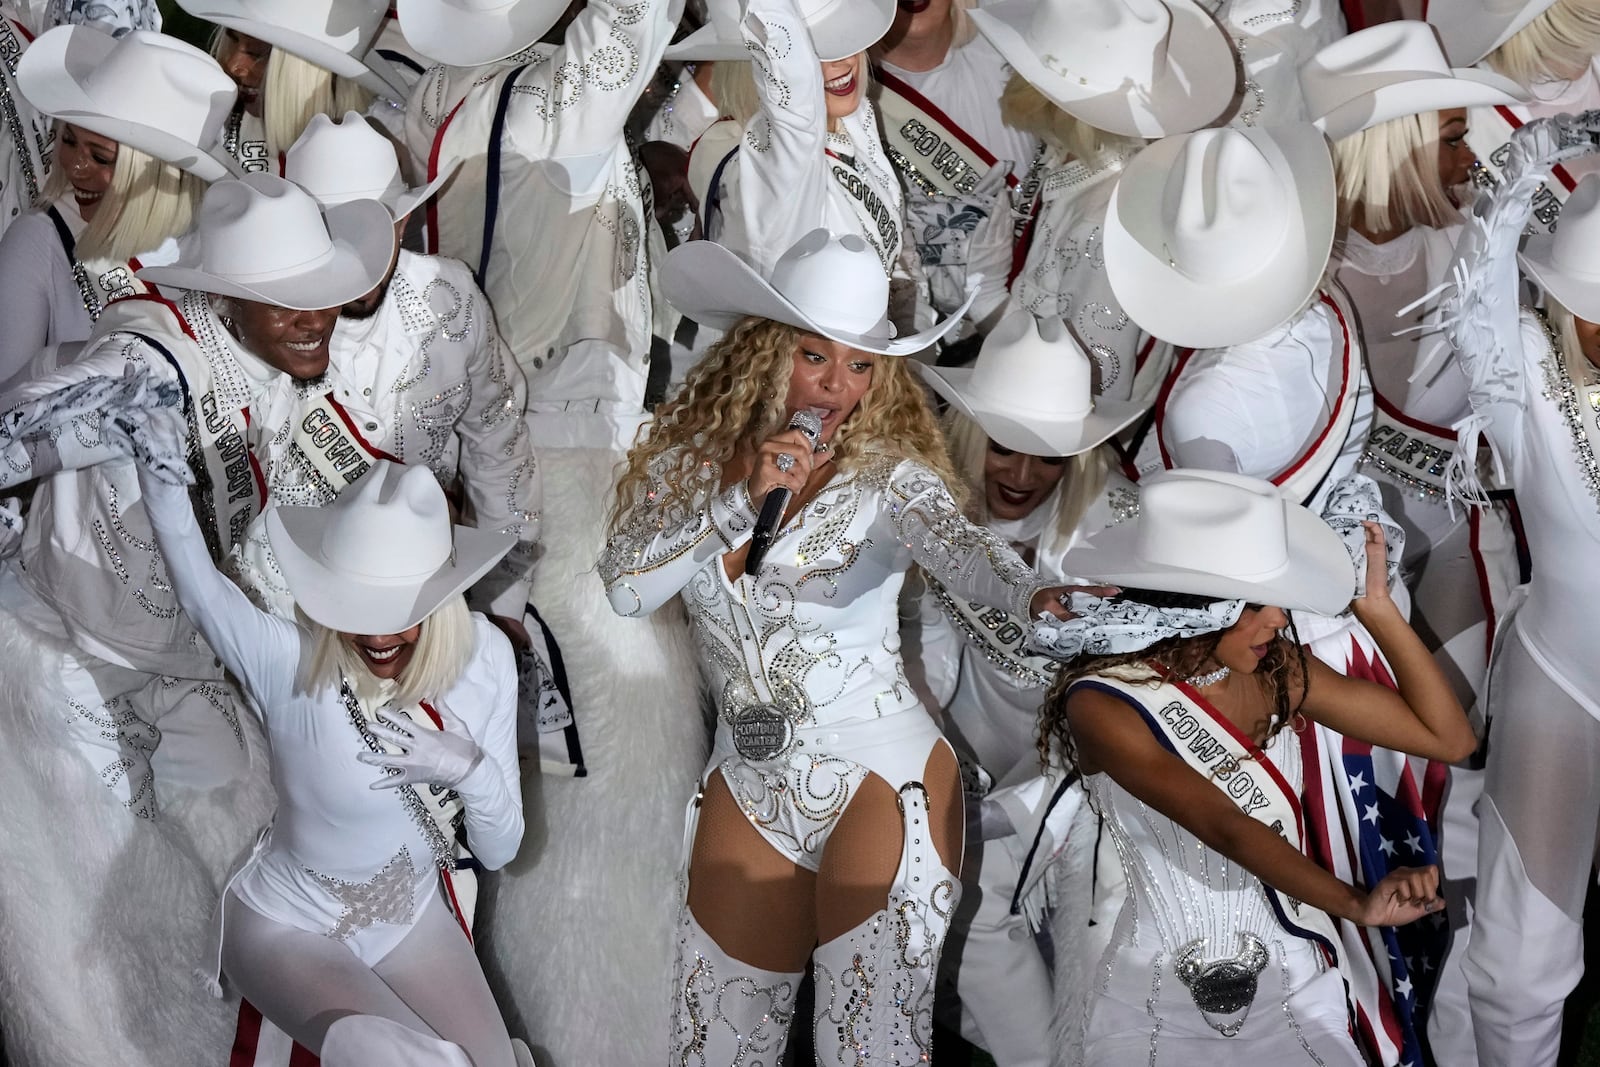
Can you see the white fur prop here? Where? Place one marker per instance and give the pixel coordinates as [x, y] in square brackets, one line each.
[105, 917]
[576, 934]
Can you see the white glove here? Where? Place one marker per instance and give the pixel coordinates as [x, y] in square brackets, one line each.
[427, 757]
[157, 439]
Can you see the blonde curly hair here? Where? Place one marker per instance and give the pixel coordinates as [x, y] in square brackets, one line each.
[735, 398]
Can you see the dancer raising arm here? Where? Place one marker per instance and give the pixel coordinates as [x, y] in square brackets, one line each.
[339, 926]
[1177, 719]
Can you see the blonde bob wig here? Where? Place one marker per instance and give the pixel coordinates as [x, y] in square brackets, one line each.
[733, 88]
[1081, 482]
[1389, 174]
[147, 202]
[1027, 109]
[443, 649]
[295, 91]
[734, 399]
[1557, 46]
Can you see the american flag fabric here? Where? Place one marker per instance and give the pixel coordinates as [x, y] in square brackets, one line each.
[1369, 811]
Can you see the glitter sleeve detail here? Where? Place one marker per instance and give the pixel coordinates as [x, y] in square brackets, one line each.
[498, 468]
[968, 559]
[776, 189]
[658, 545]
[605, 62]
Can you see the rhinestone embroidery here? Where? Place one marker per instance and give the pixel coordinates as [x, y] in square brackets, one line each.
[387, 897]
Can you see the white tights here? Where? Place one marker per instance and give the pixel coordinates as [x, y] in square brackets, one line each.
[304, 982]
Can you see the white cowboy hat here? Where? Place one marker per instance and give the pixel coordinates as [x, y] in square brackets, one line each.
[1142, 68]
[383, 555]
[1215, 237]
[1389, 71]
[1471, 29]
[839, 29]
[833, 287]
[337, 162]
[1222, 535]
[146, 90]
[336, 35]
[263, 238]
[470, 33]
[1566, 264]
[1031, 390]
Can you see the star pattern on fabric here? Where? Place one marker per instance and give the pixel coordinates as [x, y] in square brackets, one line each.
[385, 898]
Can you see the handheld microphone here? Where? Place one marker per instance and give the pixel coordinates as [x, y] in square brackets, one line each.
[776, 503]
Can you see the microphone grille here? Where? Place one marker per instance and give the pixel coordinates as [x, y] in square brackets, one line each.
[807, 422]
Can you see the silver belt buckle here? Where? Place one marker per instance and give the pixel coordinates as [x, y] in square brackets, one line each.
[762, 732]
[1226, 986]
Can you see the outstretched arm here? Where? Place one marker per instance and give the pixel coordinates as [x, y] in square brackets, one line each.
[1423, 716]
[1111, 737]
[261, 649]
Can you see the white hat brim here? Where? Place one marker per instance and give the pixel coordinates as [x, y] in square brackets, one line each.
[1578, 293]
[705, 46]
[317, 52]
[1031, 434]
[457, 37]
[850, 27]
[1197, 89]
[415, 197]
[363, 246]
[49, 73]
[347, 604]
[1468, 32]
[1319, 577]
[1467, 87]
[714, 287]
[1206, 313]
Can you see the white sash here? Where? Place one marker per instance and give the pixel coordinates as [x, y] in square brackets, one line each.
[925, 145]
[999, 637]
[1195, 732]
[439, 813]
[878, 216]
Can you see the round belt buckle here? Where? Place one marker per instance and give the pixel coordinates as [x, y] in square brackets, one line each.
[762, 732]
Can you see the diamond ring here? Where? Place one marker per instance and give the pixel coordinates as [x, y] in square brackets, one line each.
[784, 462]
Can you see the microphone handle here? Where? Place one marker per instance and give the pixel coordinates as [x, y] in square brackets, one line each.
[767, 523]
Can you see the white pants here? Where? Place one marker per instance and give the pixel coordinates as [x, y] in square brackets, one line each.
[1538, 823]
[1000, 974]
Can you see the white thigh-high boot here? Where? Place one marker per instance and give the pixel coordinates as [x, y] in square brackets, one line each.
[726, 1012]
[1525, 956]
[875, 982]
[360, 1040]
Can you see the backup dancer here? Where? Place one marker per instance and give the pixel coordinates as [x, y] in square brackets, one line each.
[966, 172]
[341, 917]
[801, 148]
[1028, 442]
[1396, 161]
[1528, 378]
[137, 118]
[138, 747]
[1183, 712]
[828, 828]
